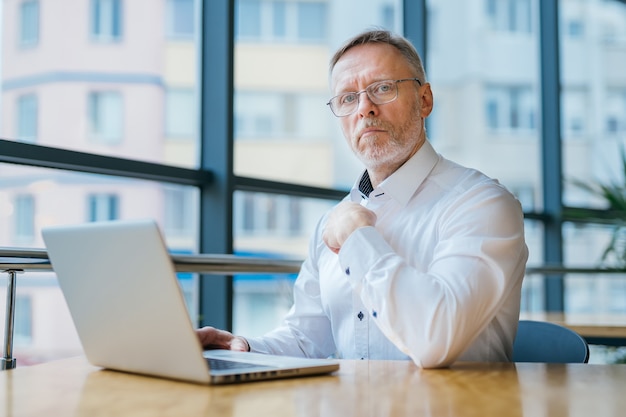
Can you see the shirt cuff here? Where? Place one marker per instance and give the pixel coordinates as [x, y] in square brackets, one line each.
[255, 345]
[361, 251]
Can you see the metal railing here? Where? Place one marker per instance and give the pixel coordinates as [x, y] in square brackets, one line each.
[14, 261]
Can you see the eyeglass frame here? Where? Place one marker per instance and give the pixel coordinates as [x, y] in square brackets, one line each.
[366, 91]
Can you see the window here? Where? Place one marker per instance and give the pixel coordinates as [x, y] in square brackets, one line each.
[612, 124]
[24, 218]
[262, 214]
[510, 108]
[180, 113]
[29, 23]
[576, 29]
[248, 19]
[259, 114]
[280, 115]
[105, 116]
[27, 118]
[275, 20]
[575, 106]
[259, 213]
[388, 13]
[509, 15]
[279, 28]
[270, 226]
[610, 17]
[312, 21]
[180, 19]
[179, 210]
[102, 207]
[106, 20]
[616, 111]
[246, 205]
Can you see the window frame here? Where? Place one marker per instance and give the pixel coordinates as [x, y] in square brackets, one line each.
[113, 32]
[171, 29]
[100, 105]
[27, 115]
[29, 40]
[216, 182]
[24, 226]
[103, 207]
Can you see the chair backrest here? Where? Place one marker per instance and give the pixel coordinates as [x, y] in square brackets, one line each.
[539, 341]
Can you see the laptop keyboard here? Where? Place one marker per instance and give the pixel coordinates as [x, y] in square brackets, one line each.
[222, 364]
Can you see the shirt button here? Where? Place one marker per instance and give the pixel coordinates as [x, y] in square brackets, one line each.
[348, 271]
[360, 315]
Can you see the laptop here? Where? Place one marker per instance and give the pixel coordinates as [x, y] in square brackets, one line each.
[120, 285]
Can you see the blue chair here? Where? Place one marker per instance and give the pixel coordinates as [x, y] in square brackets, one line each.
[539, 341]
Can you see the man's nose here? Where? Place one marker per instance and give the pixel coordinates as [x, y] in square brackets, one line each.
[366, 105]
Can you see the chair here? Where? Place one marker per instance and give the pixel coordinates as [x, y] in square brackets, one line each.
[539, 341]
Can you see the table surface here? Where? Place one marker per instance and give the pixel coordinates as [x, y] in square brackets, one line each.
[72, 387]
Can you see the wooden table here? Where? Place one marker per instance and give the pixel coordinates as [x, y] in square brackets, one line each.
[601, 329]
[72, 387]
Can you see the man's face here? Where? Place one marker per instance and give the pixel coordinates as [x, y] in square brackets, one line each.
[382, 136]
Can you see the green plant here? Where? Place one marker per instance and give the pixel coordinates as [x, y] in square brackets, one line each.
[614, 194]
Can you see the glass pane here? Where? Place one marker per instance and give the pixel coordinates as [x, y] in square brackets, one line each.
[533, 294]
[27, 116]
[483, 68]
[33, 198]
[283, 129]
[594, 246]
[584, 245]
[29, 23]
[100, 82]
[269, 226]
[592, 41]
[106, 112]
[106, 20]
[180, 18]
[312, 21]
[595, 293]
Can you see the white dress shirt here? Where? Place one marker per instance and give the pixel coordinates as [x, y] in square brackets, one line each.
[437, 279]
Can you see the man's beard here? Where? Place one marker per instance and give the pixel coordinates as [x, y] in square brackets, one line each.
[395, 148]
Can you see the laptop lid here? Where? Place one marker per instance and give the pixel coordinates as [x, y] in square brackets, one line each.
[128, 308]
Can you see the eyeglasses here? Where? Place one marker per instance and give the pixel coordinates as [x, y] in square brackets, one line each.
[381, 92]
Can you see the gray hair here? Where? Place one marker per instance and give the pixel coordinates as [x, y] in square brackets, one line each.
[402, 44]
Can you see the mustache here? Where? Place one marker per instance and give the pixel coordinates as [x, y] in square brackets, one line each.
[367, 123]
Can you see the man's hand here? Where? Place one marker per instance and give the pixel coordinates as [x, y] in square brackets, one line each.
[343, 220]
[212, 338]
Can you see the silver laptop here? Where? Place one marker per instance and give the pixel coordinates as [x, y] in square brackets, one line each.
[120, 285]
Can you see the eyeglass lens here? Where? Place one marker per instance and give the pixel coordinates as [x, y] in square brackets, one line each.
[379, 93]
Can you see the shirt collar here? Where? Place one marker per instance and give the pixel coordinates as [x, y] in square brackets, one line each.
[402, 184]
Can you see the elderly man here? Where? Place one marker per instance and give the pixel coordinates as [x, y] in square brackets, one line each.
[424, 259]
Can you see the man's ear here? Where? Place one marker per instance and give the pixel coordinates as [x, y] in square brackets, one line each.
[426, 100]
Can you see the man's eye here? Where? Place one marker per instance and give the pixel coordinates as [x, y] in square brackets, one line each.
[348, 98]
[382, 88]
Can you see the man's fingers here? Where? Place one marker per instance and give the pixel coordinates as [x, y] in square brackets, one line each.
[342, 221]
[212, 338]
